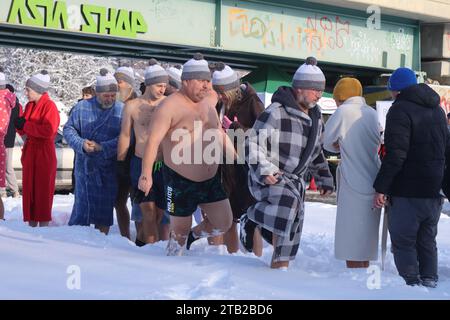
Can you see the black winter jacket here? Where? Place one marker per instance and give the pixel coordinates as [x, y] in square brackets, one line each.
[415, 139]
[11, 133]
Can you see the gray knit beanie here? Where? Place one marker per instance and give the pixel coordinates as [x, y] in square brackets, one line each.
[196, 68]
[126, 74]
[309, 76]
[39, 82]
[106, 82]
[224, 78]
[155, 73]
[175, 76]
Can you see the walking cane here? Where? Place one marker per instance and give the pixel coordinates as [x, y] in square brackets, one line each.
[384, 236]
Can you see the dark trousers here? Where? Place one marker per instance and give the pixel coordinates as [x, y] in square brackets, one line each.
[413, 230]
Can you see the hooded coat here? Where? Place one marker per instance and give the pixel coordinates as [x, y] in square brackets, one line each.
[279, 208]
[416, 139]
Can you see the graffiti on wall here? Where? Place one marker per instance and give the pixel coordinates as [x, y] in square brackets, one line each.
[365, 48]
[320, 32]
[399, 40]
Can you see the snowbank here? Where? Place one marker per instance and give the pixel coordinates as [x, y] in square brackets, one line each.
[41, 263]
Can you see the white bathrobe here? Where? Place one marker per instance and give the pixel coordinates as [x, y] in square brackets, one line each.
[355, 127]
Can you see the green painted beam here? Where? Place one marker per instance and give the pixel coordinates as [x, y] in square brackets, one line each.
[218, 24]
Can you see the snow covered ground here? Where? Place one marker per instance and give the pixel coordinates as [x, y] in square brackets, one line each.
[50, 263]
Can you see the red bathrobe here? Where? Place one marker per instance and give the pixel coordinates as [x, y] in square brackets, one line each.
[39, 159]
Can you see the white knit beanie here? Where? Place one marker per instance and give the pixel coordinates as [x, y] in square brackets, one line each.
[39, 82]
[196, 68]
[106, 82]
[155, 73]
[126, 74]
[309, 76]
[225, 78]
[175, 76]
[3, 80]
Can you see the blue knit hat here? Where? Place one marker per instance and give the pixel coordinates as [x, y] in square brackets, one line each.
[401, 79]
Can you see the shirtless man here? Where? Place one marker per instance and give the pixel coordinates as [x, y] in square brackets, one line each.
[196, 183]
[136, 115]
[125, 80]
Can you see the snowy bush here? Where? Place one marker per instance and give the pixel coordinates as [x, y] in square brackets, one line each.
[69, 72]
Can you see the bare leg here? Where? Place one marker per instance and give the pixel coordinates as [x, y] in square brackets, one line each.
[180, 227]
[213, 241]
[123, 215]
[231, 239]
[257, 242]
[278, 264]
[357, 264]
[164, 230]
[219, 219]
[139, 235]
[102, 229]
[159, 215]
[2, 210]
[149, 222]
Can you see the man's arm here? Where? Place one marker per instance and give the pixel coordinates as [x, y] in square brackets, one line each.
[159, 126]
[48, 127]
[71, 131]
[256, 151]
[397, 140]
[125, 132]
[321, 173]
[332, 132]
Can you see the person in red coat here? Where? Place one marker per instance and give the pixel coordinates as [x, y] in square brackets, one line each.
[38, 126]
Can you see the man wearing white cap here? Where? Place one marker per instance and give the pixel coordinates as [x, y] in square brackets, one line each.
[191, 181]
[93, 131]
[125, 81]
[136, 120]
[276, 179]
[174, 79]
[39, 124]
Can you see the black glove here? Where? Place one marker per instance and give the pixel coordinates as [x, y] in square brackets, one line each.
[123, 170]
[19, 123]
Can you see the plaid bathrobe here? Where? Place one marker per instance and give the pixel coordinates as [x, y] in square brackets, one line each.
[280, 207]
[95, 173]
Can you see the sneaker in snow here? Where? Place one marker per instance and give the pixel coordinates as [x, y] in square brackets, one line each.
[412, 280]
[429, 283]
